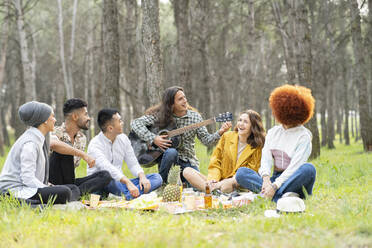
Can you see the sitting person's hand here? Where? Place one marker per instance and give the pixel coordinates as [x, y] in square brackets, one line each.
[145, 184]
[269, 192]
[90, 160]
[213, 184]
[266, 185]
[225, 127]
[133, 190]
[162, 142]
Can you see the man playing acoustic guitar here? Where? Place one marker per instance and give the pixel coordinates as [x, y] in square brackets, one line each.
[174, 110]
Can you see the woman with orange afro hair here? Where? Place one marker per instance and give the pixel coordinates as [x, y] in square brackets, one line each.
[287, 147]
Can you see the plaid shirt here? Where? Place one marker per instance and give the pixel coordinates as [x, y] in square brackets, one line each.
[186, 150]
[80, 140]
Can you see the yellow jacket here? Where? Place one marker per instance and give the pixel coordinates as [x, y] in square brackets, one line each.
[223, 163]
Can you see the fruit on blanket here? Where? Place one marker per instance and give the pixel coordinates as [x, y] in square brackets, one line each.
[172, 192]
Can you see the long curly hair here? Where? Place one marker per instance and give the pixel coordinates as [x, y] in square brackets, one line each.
[292, 105]
[163, 111]
[257, 136]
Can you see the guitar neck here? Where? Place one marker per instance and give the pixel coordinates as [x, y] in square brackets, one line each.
[182, 130]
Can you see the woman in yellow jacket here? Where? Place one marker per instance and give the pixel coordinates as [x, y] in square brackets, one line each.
[239, 148]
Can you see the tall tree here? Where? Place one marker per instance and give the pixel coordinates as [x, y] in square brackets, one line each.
[72, 45]
[368, 45]
[4, 31]
[304, 65]
[28, 79]
[111, 54]
[360, 76]
[202, 12]
[181, 17]
[69, 89]
[152, 54]
[296, 42]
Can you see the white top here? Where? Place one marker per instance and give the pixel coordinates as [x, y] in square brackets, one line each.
[241, 147]
[110, 156]
[287, 149]
[24, 169]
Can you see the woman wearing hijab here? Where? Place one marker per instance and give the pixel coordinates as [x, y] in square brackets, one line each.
[26, 170]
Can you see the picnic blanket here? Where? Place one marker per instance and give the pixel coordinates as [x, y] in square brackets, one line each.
[153, 202]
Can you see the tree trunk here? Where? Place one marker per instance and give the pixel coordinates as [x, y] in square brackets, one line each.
[26, 63]
[323, 122]
[68, 87]
[352, 124]
[222, 98]
[330, 112]
[360, 77]
[304, 65]
[18, 94]
[346, 125]
[202, 18]
[368, 45]
[339, 123]
[111, 54]
[356, 125]
[286, 41]
[133, 88]
[152, 53]
[3, 51]
[181, 17]
[70, 64]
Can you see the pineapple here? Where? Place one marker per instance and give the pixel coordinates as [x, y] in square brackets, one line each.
[172, 192]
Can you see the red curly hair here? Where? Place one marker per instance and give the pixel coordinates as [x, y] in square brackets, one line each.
[292, 105]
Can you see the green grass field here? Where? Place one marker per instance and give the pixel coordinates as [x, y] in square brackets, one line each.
[337, 215]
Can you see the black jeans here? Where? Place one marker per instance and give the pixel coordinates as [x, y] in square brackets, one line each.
[63, 194]
[62, 171]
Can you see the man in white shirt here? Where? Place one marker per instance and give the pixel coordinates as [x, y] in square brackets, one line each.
[111, 147]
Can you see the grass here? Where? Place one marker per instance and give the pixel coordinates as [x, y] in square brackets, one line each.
[337, 215]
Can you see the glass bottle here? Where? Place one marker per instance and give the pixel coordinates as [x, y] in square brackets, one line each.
[207, 197]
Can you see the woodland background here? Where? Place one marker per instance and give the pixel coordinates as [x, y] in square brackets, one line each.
[227, 54]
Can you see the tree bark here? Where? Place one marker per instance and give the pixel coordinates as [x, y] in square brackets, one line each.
[70, 65]
[69, 89]
[181, 17]
[286, 41]
[304, 65]
[3, 51]
[323, 121]
[133, 87]
[339, 118]
[330, 113]
[360, 77]
[368, 45]
[152, 53]
[202, 10]
[26, 63]
[111, 54]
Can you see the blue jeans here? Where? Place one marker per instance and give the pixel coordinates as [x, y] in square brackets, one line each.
[118, 188]
[169, 158]
[303, 177]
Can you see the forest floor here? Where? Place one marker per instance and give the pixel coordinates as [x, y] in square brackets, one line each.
[338, 214]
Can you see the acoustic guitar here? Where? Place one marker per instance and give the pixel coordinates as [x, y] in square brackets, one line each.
[148, 153]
